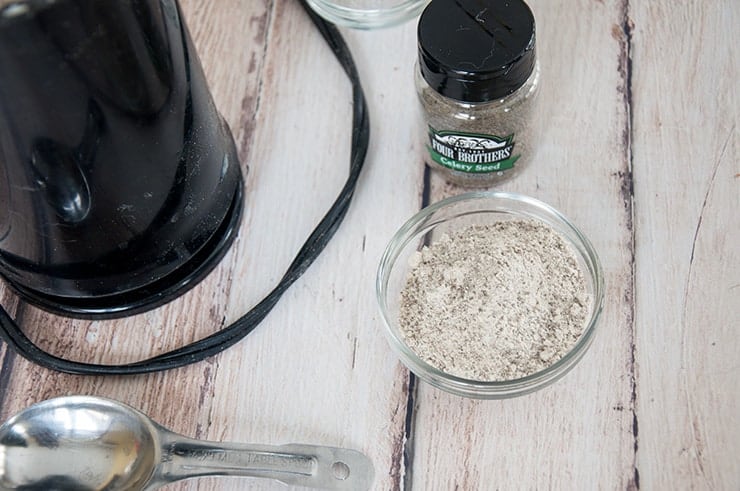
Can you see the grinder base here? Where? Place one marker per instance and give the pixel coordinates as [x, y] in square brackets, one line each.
[156, 293]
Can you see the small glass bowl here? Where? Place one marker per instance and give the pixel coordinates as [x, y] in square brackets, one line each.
[460, 212]
[367, 14]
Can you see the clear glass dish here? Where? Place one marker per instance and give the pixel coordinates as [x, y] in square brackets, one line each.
[367, 14]
[459, 212]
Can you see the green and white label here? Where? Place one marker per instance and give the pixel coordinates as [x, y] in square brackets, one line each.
[470, 152]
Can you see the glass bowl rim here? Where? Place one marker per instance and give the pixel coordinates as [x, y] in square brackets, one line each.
[419, 224]
[358, 18]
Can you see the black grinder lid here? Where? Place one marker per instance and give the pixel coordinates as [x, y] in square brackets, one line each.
[476, 50]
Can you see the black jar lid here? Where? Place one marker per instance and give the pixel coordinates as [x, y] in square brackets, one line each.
[476, 50]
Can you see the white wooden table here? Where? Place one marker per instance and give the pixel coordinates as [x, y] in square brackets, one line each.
[641, 151]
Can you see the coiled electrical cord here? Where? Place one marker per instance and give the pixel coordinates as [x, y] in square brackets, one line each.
[12, 334]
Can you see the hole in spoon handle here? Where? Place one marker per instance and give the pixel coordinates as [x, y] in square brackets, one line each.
[336, 468]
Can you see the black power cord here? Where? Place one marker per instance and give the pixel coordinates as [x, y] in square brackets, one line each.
[12, 334]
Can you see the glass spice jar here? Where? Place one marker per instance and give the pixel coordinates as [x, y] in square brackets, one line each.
[477, 79]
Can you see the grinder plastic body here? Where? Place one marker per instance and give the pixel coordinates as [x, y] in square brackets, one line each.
[120, 185]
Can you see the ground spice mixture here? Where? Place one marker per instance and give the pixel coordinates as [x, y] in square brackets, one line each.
[494, 302]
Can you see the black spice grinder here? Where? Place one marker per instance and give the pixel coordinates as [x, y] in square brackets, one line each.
[120, 185]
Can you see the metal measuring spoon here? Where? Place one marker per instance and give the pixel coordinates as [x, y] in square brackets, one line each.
[91, 443]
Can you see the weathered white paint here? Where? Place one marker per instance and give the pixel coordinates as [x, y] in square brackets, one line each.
[687, 223]
[635, 97]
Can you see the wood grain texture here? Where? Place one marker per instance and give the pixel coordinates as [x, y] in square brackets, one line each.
[687, 198]
[316, 370]
[640, 150]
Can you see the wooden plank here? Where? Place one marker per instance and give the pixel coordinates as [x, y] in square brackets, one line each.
[7, 356]
[580, 429]
[687, 195]
[332, 378]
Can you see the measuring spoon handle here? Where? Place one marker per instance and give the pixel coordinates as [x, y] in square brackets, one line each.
[311, 466]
